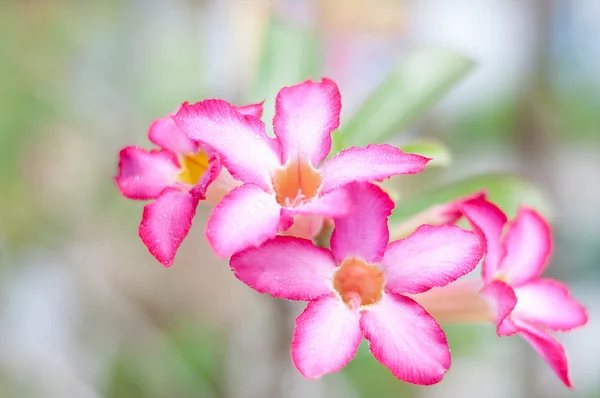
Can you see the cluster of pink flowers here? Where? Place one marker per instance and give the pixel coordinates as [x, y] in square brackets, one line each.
[273, 196]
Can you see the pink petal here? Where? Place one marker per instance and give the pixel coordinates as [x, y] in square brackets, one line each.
[255, 110]
[286, 267]
[326, 337]
[364, 232]
[528, 245]
[246, 217]
[406, 339]
[549, 349]
[305, 116]
[166, 222]
[431, 256]
[305, 226]
[507, 327]
[488, 220]
[165, 133]
[547, 302]
[212, 172]
[336, 203]
[245, 149]
[221, 186]
[372, 163]
[502, 300]
[144, 174]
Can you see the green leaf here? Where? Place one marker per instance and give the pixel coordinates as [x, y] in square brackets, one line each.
[430, 148]
[408, 91]
[505, 190]
[290, 55]
[370, 378]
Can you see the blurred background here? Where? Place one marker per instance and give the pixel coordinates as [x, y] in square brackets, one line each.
[85, 311]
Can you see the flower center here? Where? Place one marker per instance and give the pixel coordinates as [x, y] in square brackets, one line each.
[356, 280]
[296, 183]
[192, 168]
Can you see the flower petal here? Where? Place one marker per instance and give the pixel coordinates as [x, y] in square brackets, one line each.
[528, 245]
[336, 203]
[245, 149]
[326, 337]
[372, 163]
[221, 186]
[549, 349]
[488, 220]
[547, 303]
[246, 217]
[166, 222]
[306, 227]
[210, 174]
[286, 267]
[431, 256]
[406, 339]
[305, 116]
[144, 174]
[502, 301]
[165, 133]
[255, 110]
[364, 232]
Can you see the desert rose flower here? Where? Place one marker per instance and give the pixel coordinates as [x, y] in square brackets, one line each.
[524, 302]
[176, 176]
[359, 288]
[283, 177]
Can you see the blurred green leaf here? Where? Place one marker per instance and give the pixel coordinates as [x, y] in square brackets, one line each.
[188, 361]
[371, 379]
[408, 91]
[290, 55]
[432, 149]
[505, 190]
[467, 339]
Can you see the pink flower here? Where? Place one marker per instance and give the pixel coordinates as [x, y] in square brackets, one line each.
[177, 176]
[525, 303]
[282, 178]
[359, 287]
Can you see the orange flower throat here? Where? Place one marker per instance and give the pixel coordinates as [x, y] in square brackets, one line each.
[356, 280]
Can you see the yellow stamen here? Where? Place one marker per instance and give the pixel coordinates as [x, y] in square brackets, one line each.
[192, 168]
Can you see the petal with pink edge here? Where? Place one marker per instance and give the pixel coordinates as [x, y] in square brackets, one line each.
[286, 267]
[372, 163]
[144, 174]
[528, 245]
[166, 222]
[255, 110]
[336, 203]
[364, 232]
[326, 337]
[165, 133]
[246, 217]
[547, 303]
[549, 349]
[502, 300]
[305, 116]
[245, 149]
[488, 220]
[209, 175]
[407, 340]
[431, 256]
